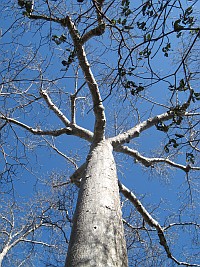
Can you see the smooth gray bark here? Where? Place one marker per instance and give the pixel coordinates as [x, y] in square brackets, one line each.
[97, 237]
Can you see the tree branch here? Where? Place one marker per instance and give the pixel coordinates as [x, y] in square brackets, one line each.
[75, 177]
[138, 205]
[38, 243]
[98, 108]
[72, 130]
[182, 224]
[147, 162]
[36, 131]
[139, 128]
[151, 222]
[61, 153]
[100, 29]
[54, 108]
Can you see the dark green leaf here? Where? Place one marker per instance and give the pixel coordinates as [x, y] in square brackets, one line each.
[177, 26]
[162, 127]
[197, 96]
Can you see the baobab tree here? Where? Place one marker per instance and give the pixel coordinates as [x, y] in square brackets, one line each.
[121, 77]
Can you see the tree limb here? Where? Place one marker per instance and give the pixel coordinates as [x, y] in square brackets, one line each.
[36, 131]
[54, 108]
[100, 29]
[147, 162]
[61, 153]
[38, 243]
[100, 120]
[72, 130]
[139, 128]
[182, 224]
[151, 222]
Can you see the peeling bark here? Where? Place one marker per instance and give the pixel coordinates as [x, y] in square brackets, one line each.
[97, 237]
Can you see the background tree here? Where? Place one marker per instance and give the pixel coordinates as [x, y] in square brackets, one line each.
[99, 83]
[30, 230]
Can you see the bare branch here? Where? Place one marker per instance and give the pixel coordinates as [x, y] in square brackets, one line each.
[38, 243]
[73, 130]
[75, 177]
[181, 224]
[54, 108]
[61, 153]
[73, 108]
[82, 133]
[100, 119]
[138, 205]
[147, 162]
[100, 29]
[139, 128]
[36, 131]
[44, 17]
[151, 222]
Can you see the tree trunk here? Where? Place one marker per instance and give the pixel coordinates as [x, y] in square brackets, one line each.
[97, 237]
[3, 254]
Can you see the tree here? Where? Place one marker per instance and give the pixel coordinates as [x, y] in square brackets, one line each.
[105, 72]
[31, 229]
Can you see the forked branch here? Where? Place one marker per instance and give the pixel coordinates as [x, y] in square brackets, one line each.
[100, 28]
[98, 107]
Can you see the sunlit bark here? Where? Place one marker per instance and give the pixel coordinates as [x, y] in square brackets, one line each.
[97, 237]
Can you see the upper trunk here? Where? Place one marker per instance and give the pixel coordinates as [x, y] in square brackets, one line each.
[97, 237]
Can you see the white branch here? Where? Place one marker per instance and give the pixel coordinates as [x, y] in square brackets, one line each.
[147, 162]
[36, 131]
[73, 108]
[61, 154]
[73, 130]
[38, 243]
[182, 224]
[98, 108]
[139, 128]
[13, 242]
[54, 108]
[138, 205]
[152, 222]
